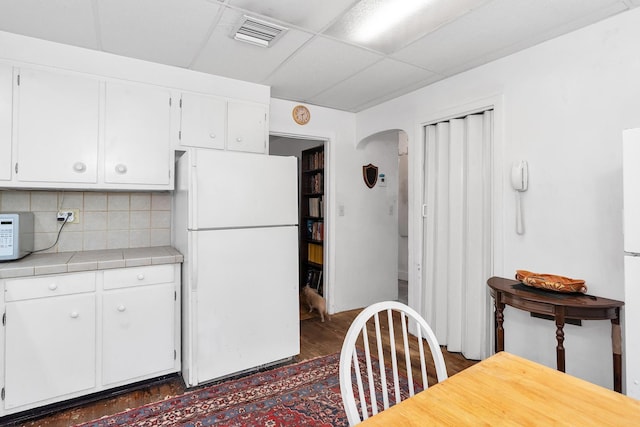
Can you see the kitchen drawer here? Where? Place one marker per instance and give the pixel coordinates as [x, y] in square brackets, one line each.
[138, 276]
[49, 286]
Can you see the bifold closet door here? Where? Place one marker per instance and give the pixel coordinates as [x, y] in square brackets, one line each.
[456, 240]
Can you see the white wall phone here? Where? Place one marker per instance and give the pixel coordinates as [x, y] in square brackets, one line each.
[520, 176]
[520, 183]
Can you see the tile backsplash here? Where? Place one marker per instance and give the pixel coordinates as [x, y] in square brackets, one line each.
[108, 220]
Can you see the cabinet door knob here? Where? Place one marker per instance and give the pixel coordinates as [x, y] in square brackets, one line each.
[79, 167]
[121, 169]
[140, 276]
[212, 135]
[121, 308]
[239, 139]
[74, 314]
[53, 286]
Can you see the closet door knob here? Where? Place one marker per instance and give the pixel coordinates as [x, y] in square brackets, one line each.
[74, 314]
[79, 167]
[239, 139]
[121, 169]
[121, 308]
[212, 135]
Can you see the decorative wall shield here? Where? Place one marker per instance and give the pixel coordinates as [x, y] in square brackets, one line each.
[370, 175]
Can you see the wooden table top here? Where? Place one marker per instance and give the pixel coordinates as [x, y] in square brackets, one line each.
[508, 390]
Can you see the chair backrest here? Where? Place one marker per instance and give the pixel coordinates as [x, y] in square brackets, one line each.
[358, 363]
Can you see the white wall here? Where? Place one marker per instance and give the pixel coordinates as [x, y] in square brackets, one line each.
[361, 249]
[563, 106]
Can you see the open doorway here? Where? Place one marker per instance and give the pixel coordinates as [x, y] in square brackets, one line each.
[311, 211]
[403, 217]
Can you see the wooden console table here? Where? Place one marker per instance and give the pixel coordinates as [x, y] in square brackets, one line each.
[561, 307]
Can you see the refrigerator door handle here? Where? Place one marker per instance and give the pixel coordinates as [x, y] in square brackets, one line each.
[193, 194]
[194, 261]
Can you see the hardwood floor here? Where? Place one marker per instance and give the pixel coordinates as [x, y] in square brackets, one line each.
[316, 339]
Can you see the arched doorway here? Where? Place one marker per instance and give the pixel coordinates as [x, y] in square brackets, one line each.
[390, 200]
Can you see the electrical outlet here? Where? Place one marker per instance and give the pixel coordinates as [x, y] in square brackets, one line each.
[72, 215]
[65, 215]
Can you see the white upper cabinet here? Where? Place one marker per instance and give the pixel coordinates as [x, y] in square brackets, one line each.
[247, 127]
[137, 134]
[69, 130]
[57, 127]
[210, 122]
[6, 90]
[203, 121]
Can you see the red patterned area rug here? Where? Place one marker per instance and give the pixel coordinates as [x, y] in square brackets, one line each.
[303, 394]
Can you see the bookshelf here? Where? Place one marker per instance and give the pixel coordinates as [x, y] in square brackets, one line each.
[312, 218]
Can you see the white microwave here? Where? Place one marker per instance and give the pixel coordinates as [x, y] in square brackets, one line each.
[16, 235]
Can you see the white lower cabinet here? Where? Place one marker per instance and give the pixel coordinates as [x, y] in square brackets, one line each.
[67, 335]
[137, 332]
[50, 348]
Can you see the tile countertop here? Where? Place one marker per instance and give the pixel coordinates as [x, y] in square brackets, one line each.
[69, 262]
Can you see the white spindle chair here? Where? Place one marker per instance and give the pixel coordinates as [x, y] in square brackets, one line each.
[349, 363]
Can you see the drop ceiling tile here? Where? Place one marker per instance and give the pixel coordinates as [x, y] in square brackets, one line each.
[383, 80]
[166, 31]
[224, 56]
[371, 23]
[63, 21]
[308, 14]
[319, 65]
[500, 28]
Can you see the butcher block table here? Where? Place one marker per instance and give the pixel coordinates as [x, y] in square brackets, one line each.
[507, 390]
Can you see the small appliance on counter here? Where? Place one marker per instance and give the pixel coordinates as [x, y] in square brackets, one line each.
[16, 235]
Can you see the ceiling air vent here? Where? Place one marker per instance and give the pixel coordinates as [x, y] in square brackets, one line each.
[258, 32]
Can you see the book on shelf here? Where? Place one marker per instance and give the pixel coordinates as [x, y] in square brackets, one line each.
[318, 231]
[314, 253]
[309, 229]
[314, 278]
[318, 281]
[315, 160]
[315, 183]
[316, 207]
[315, 230]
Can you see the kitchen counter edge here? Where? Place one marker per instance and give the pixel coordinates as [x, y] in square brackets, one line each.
[71, 262]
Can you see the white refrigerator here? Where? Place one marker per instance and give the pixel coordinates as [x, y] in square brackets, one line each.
[235, 221]
[631, 222]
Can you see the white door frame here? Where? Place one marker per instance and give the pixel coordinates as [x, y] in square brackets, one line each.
[416, 192]
[329, 179]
